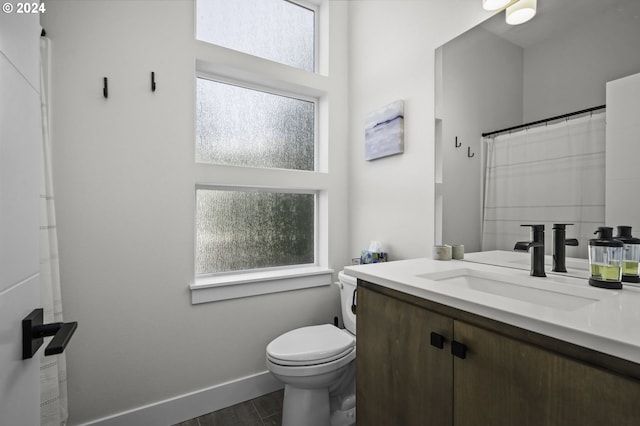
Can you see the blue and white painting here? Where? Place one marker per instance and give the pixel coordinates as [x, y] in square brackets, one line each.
[384, 131]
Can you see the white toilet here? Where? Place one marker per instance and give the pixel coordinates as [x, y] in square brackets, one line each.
[317, 366]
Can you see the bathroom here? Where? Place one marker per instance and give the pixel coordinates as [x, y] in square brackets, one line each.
[125, 181]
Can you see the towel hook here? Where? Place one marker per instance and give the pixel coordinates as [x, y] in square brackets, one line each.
[458, 144]
[153, 81]
[469, 154]
[105, 88]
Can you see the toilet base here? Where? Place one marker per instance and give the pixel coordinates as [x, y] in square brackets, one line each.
[344, 418]
[309, 407]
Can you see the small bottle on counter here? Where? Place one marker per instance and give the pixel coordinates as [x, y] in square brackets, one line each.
[631, 256]
[605, 259]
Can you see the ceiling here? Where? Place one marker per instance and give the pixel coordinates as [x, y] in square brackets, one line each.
[556, 16]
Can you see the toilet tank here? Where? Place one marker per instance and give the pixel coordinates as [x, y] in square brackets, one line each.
[347, 289]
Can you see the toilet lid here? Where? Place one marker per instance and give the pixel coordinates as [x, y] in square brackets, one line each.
[310, 345]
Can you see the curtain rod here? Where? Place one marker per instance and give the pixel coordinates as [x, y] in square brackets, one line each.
[533, 123]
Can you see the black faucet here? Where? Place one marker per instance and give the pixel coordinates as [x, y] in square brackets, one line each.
[559, 243]
[537, 252]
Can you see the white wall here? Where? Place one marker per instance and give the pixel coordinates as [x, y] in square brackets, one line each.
[569, 72]
[391, 47]
[125, 197]
[482, 91]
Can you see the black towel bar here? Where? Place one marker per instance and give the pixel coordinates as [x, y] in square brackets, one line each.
[34, 332]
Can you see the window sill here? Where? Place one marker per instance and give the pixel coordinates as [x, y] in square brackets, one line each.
[213, 289]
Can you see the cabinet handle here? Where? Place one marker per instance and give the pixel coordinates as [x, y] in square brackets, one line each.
[437, 340]
[458, 349]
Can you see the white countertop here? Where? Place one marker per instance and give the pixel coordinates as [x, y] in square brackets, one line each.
[610, 325]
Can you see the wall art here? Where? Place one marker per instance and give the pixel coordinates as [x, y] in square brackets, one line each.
[384, 131]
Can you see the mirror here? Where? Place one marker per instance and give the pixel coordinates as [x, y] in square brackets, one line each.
[496, 76]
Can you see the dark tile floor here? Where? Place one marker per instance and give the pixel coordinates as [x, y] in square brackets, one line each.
[265, 410]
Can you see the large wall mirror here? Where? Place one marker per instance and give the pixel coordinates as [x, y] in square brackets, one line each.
[496, 76]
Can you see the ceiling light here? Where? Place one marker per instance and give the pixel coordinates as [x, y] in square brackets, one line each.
[494, 4]
[521, 11]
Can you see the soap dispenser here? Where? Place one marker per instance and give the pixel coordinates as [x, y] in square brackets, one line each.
[605, 260]
[631, 256]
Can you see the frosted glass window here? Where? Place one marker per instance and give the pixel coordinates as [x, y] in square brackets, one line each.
[239, 230]
[277, 30]
[246, 127]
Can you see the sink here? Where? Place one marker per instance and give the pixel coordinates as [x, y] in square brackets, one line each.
[550, 292]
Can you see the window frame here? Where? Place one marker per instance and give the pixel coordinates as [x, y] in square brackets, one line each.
[312, 5]
[238, 284]
[244, 84]
[220, 64]
[216, 276]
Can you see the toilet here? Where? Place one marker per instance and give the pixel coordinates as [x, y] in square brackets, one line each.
[317, 366]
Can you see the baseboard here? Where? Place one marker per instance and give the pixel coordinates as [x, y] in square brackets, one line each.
[194, 404]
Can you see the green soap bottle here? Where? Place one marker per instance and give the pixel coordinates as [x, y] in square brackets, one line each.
[605, 259]
[631, 256]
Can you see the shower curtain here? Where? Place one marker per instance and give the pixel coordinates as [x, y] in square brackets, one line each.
[53, 370]
[550, 174]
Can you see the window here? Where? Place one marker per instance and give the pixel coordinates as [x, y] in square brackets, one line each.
[245, 127]
[249, 228]
[278, 30]
[261, 206]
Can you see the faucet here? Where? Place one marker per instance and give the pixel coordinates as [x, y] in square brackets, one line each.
[559, 243]
[537, 252]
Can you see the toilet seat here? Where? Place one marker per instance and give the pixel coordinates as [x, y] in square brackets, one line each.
[312, 345]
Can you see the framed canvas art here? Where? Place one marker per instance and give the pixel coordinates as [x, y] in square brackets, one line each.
[384, 131]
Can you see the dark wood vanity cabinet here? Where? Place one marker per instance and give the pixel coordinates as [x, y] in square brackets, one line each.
[400, 379]
[501, 375]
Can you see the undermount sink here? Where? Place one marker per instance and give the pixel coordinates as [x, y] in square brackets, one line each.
[549, 292]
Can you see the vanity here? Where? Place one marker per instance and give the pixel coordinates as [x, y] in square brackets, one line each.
[467, 343]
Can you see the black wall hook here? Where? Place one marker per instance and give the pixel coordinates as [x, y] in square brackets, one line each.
[458, 145]
[105, 88]
[469, 154]
[153, 81]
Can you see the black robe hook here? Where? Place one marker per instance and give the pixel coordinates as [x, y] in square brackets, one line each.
[469, 154]
[153, 81]
[105, 88]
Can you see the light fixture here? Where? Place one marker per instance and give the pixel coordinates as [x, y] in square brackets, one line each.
[521, 11]
[494, 4]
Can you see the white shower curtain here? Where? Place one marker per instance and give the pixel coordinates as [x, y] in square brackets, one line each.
[53, 370]
[550, 174]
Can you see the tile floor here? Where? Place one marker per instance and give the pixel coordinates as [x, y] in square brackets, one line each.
[265, 410]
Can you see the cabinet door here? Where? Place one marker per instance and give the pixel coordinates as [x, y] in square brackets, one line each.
[506, 382]
[401, 379]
